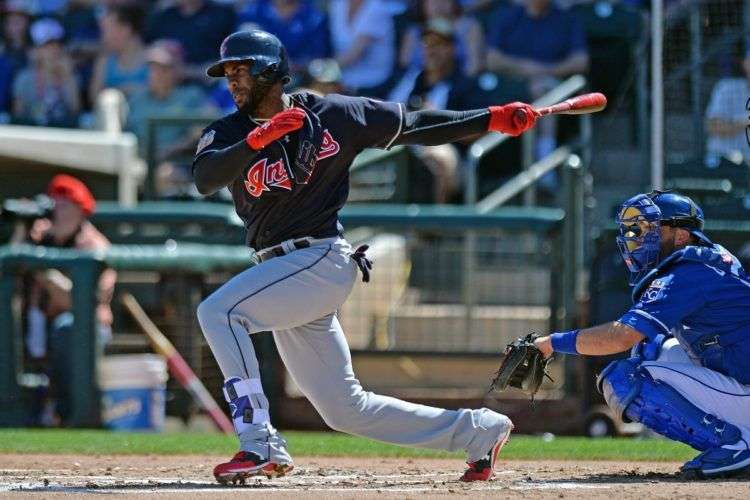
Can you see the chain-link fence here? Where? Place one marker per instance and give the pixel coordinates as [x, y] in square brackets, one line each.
[706, 83]
[706, 92]
[453, 288]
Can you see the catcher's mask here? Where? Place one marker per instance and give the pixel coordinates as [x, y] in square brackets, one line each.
[639, 226]
[639, 235]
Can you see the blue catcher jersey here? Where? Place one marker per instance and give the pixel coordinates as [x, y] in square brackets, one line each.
[701, 295]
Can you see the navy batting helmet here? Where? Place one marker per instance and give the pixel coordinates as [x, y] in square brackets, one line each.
[266, 53]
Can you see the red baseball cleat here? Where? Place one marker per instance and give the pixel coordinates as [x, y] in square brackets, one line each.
[482, 469]
[245, 464]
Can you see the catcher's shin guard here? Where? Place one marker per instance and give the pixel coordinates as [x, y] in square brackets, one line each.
[629, 390]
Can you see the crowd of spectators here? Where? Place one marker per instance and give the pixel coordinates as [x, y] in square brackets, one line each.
[57, 55]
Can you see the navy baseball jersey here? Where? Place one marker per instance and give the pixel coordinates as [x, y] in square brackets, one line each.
[701, 295]
[272, 206]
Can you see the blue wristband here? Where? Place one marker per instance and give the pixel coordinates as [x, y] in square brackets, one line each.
[565, 342]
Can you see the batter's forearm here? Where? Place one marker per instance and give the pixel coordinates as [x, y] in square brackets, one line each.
[434, 127]
[218, 169]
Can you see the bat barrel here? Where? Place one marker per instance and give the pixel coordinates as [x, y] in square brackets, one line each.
[578, 105]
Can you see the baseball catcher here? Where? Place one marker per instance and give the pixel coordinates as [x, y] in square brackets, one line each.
[688, 374]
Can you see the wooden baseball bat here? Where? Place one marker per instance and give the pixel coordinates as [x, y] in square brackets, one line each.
[578, 105]
[178, 367]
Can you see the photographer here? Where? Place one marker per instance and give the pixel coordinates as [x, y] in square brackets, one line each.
[48, 293]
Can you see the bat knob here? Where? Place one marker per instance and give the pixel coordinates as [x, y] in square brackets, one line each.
[520, 118]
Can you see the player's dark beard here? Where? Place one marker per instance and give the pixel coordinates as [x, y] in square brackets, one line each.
[667, 247]
[260, 90]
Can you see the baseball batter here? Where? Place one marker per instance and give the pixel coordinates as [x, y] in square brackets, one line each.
[285, 158]
[688, 376]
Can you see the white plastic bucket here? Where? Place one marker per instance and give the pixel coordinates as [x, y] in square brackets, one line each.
[133, 388]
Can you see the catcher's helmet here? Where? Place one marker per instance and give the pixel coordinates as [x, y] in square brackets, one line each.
[266, 53]
[680, 211]
[639, 222]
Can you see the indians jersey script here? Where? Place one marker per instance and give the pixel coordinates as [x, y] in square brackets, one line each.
[273, 207]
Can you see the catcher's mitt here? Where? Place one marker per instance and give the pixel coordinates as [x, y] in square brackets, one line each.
[523, 366]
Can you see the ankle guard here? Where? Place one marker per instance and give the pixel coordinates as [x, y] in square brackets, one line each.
[247, 403]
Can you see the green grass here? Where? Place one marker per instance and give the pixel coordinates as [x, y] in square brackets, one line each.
[92, 442]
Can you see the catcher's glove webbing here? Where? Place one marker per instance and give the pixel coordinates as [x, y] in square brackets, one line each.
[523, 366]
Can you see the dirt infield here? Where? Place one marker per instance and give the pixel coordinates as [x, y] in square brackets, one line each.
[47, 476]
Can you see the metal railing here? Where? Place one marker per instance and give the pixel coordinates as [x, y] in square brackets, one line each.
[152, 126]
[424, 297]
[480, 148]
[523, 180]
[380, 175]
[573, 243]
[484, 145]
[414, 302]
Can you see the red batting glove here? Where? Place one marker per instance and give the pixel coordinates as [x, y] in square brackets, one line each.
[512, 119]
[278, 126]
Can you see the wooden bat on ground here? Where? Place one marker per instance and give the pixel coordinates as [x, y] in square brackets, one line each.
[579, 105]
[178, 367]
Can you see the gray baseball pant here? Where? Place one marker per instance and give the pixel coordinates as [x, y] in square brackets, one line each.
[296, 297]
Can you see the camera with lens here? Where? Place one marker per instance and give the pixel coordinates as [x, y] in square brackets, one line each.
[27, 210]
